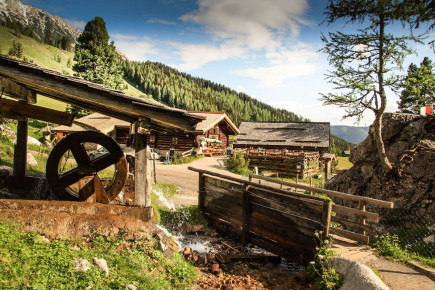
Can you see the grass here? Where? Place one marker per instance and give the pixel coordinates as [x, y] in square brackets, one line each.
[28, 263]
[184, 160]
[343, 163]
[392, 246]
[189, 214]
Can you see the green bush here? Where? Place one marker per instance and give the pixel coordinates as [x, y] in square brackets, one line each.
[388, 245]
[238, 164]
[320, 272]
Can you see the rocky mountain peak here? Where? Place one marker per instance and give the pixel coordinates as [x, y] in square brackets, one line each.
[38, 20]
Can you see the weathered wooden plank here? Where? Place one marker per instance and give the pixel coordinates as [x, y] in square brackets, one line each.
[17, 91]
[350, 235]
[301, 256]
[355, 213]
[353, 224]
[331, 193]
[36, 112]
[226, 202]
[247, 182]
[223, 223]
[224, 213]
[326, 218]
[298, 204]
[264, 216]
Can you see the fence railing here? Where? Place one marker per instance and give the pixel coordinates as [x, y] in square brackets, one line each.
[352, 221]
[285, 223]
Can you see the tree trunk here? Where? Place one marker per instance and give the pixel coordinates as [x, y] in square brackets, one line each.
[385, 163]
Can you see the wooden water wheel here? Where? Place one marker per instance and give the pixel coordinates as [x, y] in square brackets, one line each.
[74, 172]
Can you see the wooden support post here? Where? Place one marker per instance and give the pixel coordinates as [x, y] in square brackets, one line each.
[142, 179]
[326, 217]
[245, 214]
[154, 169]
[201, 193]
[20, 149]
[362, 206]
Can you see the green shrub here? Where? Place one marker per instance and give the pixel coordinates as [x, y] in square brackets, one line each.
[320, 272]
[238, 164]
[388, 245]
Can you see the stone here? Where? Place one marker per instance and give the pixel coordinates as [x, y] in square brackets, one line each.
[81, 265]
[410, 144]
[130, 287]
[357, 276]
[102, 265]
[31, 160]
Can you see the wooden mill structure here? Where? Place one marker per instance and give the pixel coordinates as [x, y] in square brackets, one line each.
[22, 82]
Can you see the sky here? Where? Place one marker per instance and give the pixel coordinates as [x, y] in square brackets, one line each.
[268, 49]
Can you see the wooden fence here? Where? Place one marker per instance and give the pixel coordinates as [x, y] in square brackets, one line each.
[285, 223]
[352, 221]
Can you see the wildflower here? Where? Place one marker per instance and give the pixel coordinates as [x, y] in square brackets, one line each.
[320, 257]
[312, 263]
[4, 260]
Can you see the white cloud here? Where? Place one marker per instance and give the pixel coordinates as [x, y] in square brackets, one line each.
[241, 89]
[79, 24]
[194, 56]
[284, 64]
[257, 24]
[120, 36]
[161, 21]
[133, 47]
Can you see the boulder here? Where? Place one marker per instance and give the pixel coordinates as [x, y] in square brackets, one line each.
[410, 145]
[357, 276]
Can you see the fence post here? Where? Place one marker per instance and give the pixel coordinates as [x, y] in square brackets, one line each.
[245, 214]
[326, 217]
[362, 206]
[201, 192]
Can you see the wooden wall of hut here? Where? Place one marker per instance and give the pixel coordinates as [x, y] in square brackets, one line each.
[301, 165]
[217, 132]
[180, 142]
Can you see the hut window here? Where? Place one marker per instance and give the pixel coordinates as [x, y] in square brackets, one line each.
[174, 140]
[152, 138]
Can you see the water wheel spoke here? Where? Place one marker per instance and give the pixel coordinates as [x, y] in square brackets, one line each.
[100, 192]
[105, 161]
[68, 178]
[79, 153]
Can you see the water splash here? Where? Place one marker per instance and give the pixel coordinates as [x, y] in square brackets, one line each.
[163, 201]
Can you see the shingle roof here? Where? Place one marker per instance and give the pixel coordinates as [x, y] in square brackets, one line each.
[211, 119]
[307, 134]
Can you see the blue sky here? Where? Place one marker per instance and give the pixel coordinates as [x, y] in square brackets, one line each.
[265, 48]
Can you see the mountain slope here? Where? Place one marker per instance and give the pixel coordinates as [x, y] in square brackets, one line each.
[351, 134]
[42, 23]
[181, 90]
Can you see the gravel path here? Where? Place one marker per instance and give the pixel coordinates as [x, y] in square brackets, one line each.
[186, 180]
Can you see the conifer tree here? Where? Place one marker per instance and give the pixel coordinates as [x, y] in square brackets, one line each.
[96, 58]
[418, 87]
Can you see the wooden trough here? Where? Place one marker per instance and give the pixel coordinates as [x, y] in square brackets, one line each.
[285, 223]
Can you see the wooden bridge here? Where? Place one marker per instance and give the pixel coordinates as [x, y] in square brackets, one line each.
[287, 223]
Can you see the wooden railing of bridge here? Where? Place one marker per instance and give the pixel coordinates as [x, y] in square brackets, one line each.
[286, 223]
[352, 220]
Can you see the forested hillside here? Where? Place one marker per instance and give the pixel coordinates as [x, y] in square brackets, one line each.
[181, 90]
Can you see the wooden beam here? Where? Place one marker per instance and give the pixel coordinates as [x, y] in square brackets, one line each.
[331, 193]
[36, 112]
[95, 97]
[17, 91]
[142, 179]
[20, 150]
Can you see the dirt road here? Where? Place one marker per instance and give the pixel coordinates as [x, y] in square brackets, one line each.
[187, 180]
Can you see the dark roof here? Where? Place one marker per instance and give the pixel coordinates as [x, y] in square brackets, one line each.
[92, 96]
[306, 134]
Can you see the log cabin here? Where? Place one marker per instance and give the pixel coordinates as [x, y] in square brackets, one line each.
[300, 136]
[213, 131]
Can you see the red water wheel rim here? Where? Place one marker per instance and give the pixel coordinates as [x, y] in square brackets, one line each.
[60, 183]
